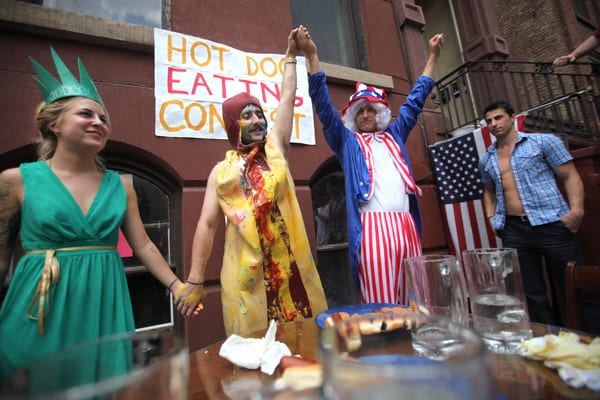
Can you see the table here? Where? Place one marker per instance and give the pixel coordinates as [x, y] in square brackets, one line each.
[213, 377]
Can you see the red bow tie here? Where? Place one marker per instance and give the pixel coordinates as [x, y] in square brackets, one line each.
[369, 136]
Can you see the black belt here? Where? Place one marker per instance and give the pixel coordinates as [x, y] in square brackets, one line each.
[521, 218]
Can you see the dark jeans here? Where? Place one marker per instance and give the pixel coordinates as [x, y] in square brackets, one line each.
[552, 245]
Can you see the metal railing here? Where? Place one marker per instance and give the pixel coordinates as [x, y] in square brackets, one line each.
[564, 100]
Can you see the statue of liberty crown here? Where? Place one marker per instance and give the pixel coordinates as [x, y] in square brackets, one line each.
[52, 90]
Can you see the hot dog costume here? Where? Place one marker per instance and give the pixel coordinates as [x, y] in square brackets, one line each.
[268, 271]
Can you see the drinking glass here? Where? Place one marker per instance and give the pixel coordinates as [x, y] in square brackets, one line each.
[436, 285]
[149, 365]
[498, 301]
[375, 356]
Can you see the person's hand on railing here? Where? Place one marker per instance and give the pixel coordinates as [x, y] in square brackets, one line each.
[584, 48]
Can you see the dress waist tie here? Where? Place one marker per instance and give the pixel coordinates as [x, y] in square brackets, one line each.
[51, 276]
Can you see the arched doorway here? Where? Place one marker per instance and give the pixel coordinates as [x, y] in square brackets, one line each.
[329, 213]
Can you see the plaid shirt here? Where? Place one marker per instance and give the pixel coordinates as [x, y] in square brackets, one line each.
[533, 161]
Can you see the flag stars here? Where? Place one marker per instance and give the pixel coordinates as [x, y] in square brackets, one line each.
[456, 169]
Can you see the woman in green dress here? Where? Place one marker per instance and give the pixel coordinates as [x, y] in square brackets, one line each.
[70, 285]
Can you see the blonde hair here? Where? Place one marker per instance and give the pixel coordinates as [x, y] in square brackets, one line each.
[48, 115]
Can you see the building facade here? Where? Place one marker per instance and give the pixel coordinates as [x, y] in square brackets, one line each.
[379, 42]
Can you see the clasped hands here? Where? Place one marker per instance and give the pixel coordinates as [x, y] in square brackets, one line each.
[188, 298]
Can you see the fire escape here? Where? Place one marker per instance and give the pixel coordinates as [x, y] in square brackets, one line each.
[564, 101]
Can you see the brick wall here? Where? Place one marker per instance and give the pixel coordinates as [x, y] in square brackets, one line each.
[541, 30]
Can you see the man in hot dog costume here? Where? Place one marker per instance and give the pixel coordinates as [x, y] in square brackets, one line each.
[268, 272]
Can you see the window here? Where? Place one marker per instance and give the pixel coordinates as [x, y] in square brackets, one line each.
[146, 12]
[329, 207]
[335, 27]
[329, 211]
[585, 10]
[152, 306]
[153, 204]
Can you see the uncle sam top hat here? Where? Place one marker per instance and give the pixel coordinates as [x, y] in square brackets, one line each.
[359, 99]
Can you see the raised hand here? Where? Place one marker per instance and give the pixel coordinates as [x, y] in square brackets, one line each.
[436, 43]
[305, 42]
[435, 48]
[292, 48]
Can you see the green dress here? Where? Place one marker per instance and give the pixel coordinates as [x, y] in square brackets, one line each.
[91, 298]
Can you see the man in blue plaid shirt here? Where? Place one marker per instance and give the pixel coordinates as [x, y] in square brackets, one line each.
[525, 207]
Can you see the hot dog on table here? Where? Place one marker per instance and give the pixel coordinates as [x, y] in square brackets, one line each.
[300, 373]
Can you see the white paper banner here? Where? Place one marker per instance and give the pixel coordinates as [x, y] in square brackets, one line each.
[193, 76]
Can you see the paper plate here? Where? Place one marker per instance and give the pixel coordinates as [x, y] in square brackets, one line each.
[353, 309]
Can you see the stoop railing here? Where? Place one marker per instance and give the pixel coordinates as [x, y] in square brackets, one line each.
[564, 100]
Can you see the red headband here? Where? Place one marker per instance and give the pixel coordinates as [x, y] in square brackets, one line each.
[232, 109]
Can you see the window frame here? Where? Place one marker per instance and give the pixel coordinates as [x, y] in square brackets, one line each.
[352, 28]
[164, 6]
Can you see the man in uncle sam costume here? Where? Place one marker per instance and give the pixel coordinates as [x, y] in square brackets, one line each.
[384, 224]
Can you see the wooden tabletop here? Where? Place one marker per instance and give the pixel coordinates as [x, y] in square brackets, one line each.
[213, 377]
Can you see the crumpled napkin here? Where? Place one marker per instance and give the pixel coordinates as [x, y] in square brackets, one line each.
[252, 353]
[578, 363]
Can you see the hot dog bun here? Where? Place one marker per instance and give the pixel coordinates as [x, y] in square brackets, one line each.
[300, 373]
[303, 376]
[374, 322]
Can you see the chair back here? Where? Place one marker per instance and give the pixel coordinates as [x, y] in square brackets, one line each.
[578, 277]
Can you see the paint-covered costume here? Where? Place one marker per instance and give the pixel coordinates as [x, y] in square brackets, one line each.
[377, 251]
[268, 271]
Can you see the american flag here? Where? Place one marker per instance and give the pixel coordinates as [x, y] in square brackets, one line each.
[456, 168]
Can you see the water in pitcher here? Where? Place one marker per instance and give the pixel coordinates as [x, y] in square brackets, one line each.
[502, 321]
